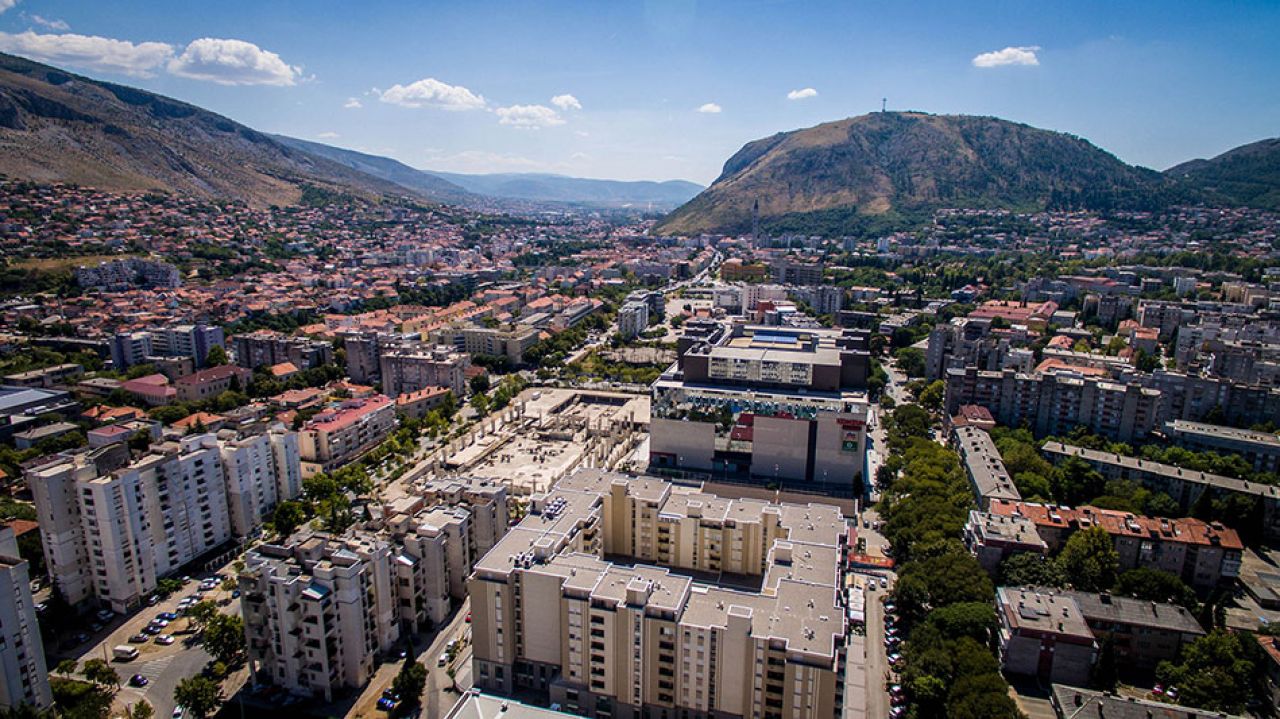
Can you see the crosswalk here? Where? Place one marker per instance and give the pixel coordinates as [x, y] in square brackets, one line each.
[152, 670]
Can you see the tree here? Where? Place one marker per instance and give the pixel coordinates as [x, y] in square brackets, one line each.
[288, 516]
[1216, 672]
[931, 397]
[911, 361]
[480, 384]
[216, 356]
[224, 638]
[67, 666]
[200, 696]
[1029, 569]
[1105, 674]
[1156, 586]
[1076, 482]
[201, 613]
[1089, 560]
[140, 710]
[101, 673]
[411, 681]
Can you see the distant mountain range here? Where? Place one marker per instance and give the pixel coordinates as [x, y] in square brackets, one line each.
[890, 170]
[534, 187]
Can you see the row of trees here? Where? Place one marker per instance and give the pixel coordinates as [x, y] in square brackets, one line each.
[943, 596]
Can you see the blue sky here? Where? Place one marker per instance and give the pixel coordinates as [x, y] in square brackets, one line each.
[671, 88]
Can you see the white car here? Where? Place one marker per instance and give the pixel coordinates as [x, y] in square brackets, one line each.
[164, 639]
[178, 713]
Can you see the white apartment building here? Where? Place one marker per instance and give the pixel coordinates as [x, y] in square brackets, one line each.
[319, 611]
[24, 679]
[633, 319]
[262, 471]
[112, 529]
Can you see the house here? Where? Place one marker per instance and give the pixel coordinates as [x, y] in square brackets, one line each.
[211, 382]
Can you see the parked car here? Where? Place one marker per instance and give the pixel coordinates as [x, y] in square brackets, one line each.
[105, 615]
[137, 680]
[443, 660]
[139, 639]
[164, 639]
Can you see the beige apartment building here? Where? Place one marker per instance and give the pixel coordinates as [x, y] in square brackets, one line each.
[318, 612]
[571, 602]
[336, 437]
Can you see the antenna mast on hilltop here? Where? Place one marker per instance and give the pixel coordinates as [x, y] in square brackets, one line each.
[883, 102]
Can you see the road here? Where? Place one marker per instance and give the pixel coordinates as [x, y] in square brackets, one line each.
[163, 666]
[438, 695]
[877, 662]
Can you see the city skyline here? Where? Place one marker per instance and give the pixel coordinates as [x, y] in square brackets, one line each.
[670, 90]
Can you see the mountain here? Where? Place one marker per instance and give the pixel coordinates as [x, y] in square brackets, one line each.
[884, 170]
[576, 190]
[533, 187]
[1248, 175]
[384, 168]
[56, 126]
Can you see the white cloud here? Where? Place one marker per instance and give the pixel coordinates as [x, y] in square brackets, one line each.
[709, 108]
[566, 102]
[7, 4]
[802, 94]
[328, 136]
[479, 161]
[232, 62]
[530, 117]
[1008, 56]
[88, 51]
[433, 93]
[352, 104]
[59, 25]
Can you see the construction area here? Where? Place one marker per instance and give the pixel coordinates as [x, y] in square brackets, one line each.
[543, 435]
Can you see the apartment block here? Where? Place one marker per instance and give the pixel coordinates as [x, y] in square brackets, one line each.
[992, 538]
[410, 367]
[112, 528]
[24, 678]
[633, 319]
[1202, 554]
[1261, 449]
[1044, 635]
[318, 611]
[438, 536]
[54, 485]
[209, 383]
[418, 404]
[787, 272]
[338, 436]
[508, 341]
[1142, 633]
[988, 478]
[266, 347]
[1184, 485]
[1057, 402]
[611, 639]
[262, 470]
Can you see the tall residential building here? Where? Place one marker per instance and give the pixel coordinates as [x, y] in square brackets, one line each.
[55, 490]
[318, 611]
[338, 436]
[131, 348]
[411, 367]
[633, 319]
[262, 470]
[988, 478]
[1054, 403]
[1044, 635]
[604, 639]
[187, 341]
[24, 678]
[766, 404]
[364, 350]
[788, 272]
[266, 347]
[112, 528]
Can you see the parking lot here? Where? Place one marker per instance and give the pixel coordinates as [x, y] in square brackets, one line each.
[161, 663]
